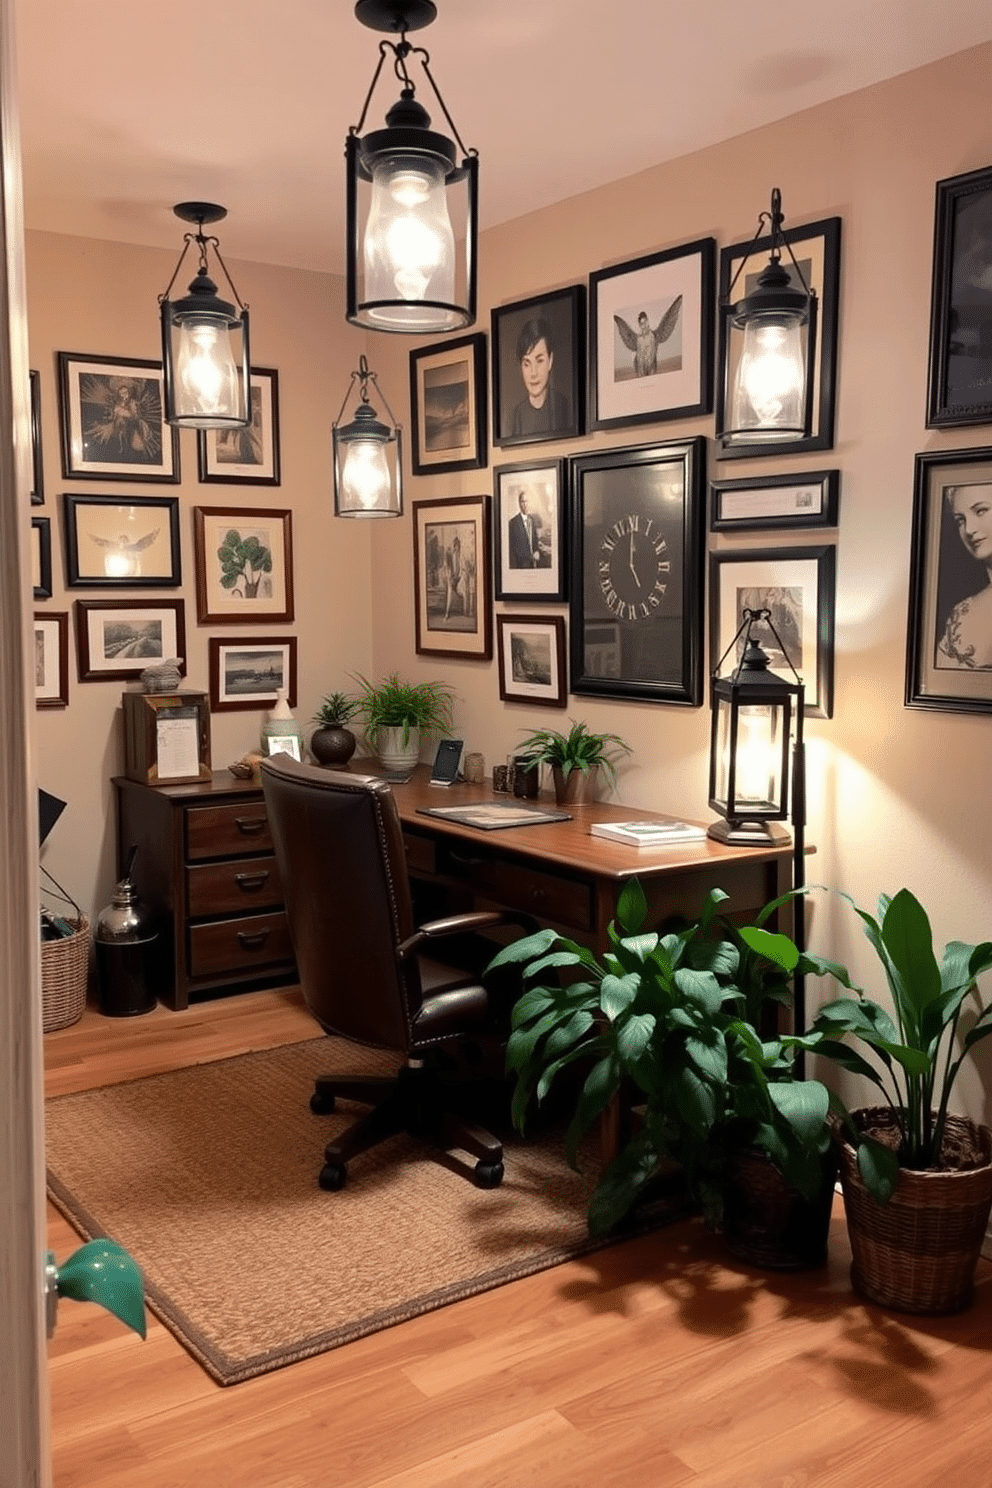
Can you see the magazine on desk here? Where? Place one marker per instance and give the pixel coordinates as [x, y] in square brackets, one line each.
[488, 816]
[655, 833]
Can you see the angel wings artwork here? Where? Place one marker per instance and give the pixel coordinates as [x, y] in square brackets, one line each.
[646, 340]
[120, 553]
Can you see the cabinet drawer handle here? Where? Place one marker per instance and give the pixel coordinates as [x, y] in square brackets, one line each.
[253, 942]
[464, 862]
[250, 883]
[250, 826]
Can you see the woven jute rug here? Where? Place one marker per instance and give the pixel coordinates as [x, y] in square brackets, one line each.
[208, 1176]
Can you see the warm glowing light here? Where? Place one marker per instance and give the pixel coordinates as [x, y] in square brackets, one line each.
[770, 391]
[365, 478]
[757, 756]
[206, 375]
[409, 243]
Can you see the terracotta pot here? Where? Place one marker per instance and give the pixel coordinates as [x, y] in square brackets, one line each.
[332, 744]
[577, 788]
[767, 1223]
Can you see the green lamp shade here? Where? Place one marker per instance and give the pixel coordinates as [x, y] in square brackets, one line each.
[102, 1271]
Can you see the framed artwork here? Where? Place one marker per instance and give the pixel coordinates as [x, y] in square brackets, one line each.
[959, 387]
[452, 592]
[651, 337]
[244, 564]
[817, 250]
[796, 585]
[117, 641]
[637, 527]
[247, 672]
[530, 529]
[122, 543]
[249, 456]
[37, 465]
[775, 501]
[41, 557]
[538, 351]
[113, 422]
[51, 660]
[448, 405]
[949, 638]
[531, 652]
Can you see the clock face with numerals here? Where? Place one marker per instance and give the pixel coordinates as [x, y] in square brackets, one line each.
[634, 567]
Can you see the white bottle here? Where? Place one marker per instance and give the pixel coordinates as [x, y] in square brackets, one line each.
[281, 734]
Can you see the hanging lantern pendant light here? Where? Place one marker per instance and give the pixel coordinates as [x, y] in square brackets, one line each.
[368, 458]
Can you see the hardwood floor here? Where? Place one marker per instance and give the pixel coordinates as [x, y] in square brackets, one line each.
[651, 1364]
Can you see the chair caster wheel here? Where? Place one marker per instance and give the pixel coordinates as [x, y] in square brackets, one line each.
[488, 1175]
[332, 1177]
[321, 1105]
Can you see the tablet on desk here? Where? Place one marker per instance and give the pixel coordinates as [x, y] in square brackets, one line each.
[445, 767]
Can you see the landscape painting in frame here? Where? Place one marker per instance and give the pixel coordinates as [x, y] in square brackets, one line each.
[531, 651]
[448, 405]
[452, 577]
[116, 641]
[248, 673]
[113, 421]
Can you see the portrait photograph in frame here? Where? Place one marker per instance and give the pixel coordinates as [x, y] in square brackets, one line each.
[538, 357]
[529, 529]
[37, 463]
[949, 635]
[452, 587]
[796, 586]
[959, 386]
[768, 502]
[127, 542]
[244, 564]
[115, 642]
[531, 653]
[112, 420]
[248, 456]
[247, 672]
[51, 660]
[41, 557]
[651, 337]
[636, 533]
[817, 251]
[448, 405]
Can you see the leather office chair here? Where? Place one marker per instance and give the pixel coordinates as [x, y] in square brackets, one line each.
[366, 969]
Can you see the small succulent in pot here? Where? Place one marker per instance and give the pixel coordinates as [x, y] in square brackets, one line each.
[332, 743]
[336, 710]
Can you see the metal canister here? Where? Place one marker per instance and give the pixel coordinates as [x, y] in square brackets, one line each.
[127, 954]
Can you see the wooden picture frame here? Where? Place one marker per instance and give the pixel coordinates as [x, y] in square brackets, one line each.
[959, 385]
[651, 337]
[117, 641]
[797, 585]
[37, 462]
[248, 456]
[128, 542]
[452, 578]
[41, 557]
[113, 421]
[531, 653]
[817, 251]
[949, 631]
[448, 405]
[51, 659]
[529, 529]
[637, 541]
[246, 672]
[775, 502]
[244, 564]
[556, 373]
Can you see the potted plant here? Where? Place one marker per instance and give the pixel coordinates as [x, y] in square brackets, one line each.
[396, 713]
[332, 743]
[574, 758]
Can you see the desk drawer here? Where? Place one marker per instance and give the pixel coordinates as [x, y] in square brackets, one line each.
[239, 945]
[232, 887]
[222, 831]
[548, 896]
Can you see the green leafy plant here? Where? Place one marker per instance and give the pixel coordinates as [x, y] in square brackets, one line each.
[244, 561]
[336, 710]
[577, 750]
[393, 703]
[664, 1013]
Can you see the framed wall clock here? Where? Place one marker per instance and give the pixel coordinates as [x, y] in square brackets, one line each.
[637, 524]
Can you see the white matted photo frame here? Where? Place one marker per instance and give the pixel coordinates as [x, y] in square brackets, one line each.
[651, 337]
[768, 502]
[244, 564]
[112, 420]
[127, 542]
[248, 456]
[531, 653]
[539, 363]
[949, 636]
[452, 585]
[448, 405]
[51, 660]
[116, 641]
[247, 671]
[41, 557]
[529, 529]
[796, 586]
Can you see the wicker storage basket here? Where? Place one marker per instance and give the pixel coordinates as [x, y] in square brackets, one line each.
[767, 1223]
[64, 968]
[918, 1253]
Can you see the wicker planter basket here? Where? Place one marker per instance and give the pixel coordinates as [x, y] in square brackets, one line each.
[918, 1253]
[64, 969]
[767, 1223]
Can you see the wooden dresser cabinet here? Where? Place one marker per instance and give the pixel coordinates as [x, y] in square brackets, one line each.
[205, 865]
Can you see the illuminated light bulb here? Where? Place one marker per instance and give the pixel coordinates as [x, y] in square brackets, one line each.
[121, 565]
[756, 756]
[770, 391]
[365, 479]
[409, 243]
[206, 375]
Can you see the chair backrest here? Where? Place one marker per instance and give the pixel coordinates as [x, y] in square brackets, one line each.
[339, 847]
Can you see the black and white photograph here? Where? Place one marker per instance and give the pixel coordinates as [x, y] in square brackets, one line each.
[538, 349]
[531, 652]
[118, 641]
[113, 424]
[122, 543]
[247, 456]
[51, 660]
[448, 405]
[451, 574]
[959, 391]
[775, 502]
[248, 673]
[41, 557]
[530, 530]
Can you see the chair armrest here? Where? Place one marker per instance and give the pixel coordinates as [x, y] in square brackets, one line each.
[482, 919]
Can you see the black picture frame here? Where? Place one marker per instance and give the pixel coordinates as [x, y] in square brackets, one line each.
[41, 557]
[126, 542]
[817, 250]
[112, 420]
[37, 462]
[448, 405]
[667, 372]
[246, 672]
[532, 664]
[544, 484]
[117, 639]
[249, 456]
[959, 384]
[798, 586]
[563, 312]
[51, 659]
[638, 634]
[775, 502]
[949, 631]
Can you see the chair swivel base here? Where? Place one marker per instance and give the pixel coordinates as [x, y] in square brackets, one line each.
[412, 1102]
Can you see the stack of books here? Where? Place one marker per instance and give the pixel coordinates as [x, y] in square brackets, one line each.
[653, 833]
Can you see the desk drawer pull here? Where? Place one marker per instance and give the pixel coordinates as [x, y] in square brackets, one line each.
[253, 942]
[250, 826]
[464, 862]
[250, 883]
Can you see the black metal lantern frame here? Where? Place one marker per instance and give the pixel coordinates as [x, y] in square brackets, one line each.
[410, 149]
[375, 489]
[777, 303]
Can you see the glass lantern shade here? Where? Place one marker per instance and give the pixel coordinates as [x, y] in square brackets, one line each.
[367, 467]
[749, 755]
[205, 360]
